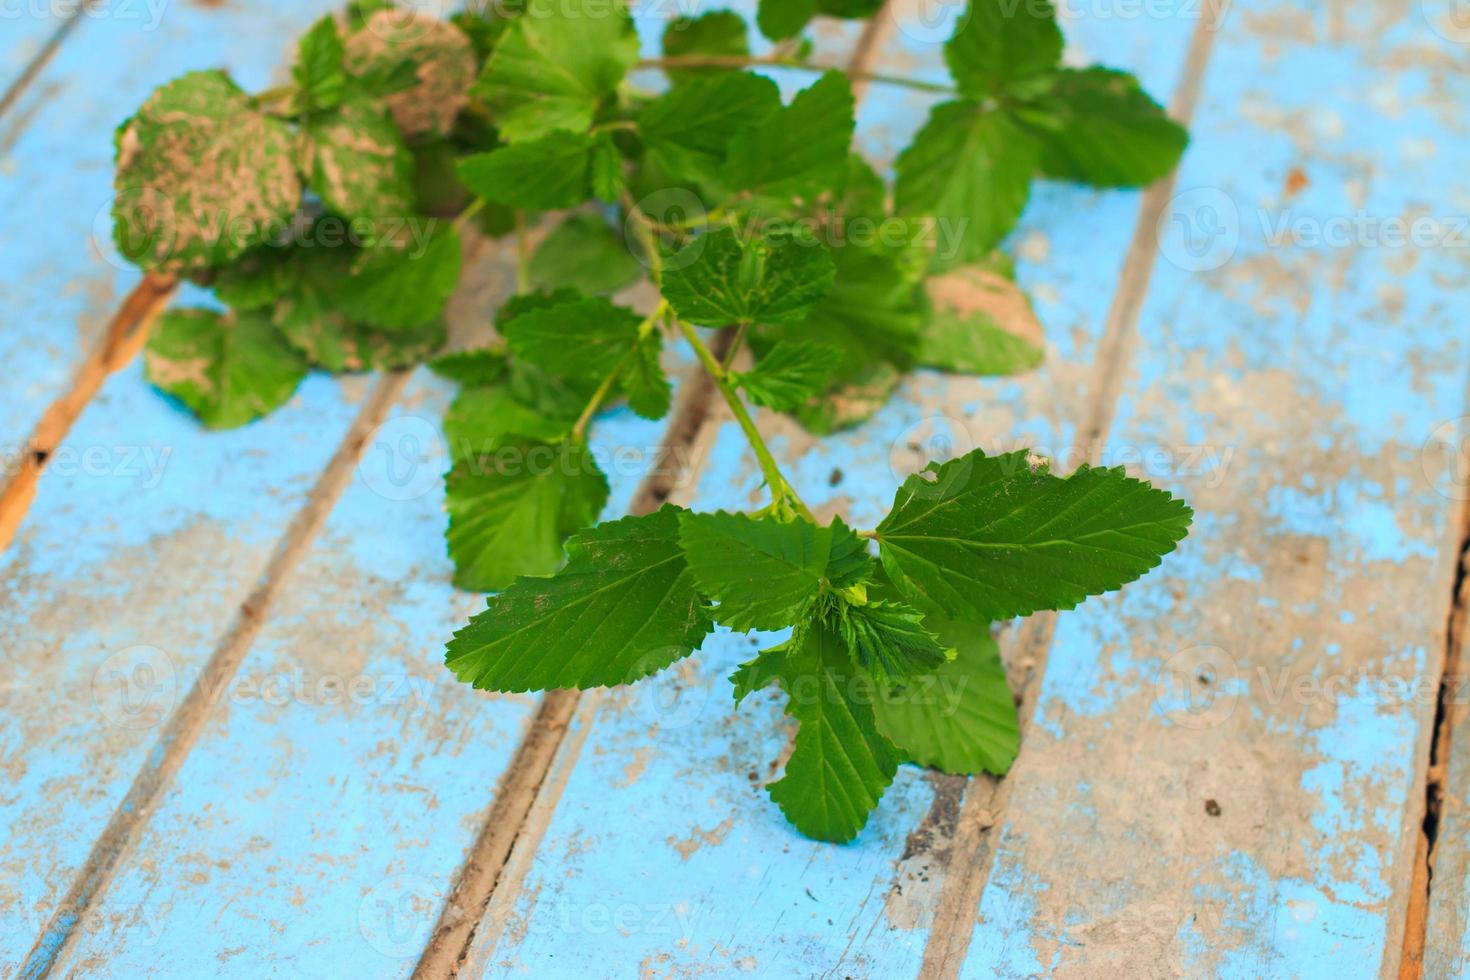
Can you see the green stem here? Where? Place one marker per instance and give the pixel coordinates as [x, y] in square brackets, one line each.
[735, 343]
[262, 99]
[781, 491]
[579, 429]
[471, 209]
[718, 62]
[645, 228]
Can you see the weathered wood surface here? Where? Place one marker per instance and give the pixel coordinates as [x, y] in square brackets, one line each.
[306, 807]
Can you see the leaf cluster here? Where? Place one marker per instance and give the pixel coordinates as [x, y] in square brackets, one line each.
[330, 219]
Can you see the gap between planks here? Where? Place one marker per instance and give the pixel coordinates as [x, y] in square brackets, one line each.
[1448, 715]
[530, 788]
[183, 727]
[42, 58]
[986, 797]
[125, 335]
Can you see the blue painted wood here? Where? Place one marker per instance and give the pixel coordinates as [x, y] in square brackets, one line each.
[314, 829]
[29, 27]
[663, 855]
[146, 535]
[319, 823]
[1223, 776]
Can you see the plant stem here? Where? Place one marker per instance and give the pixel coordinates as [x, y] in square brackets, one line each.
[740, 331]
[605, 127]
[605, 389]
[579, 429]
[716, 62]
[523, 254]
[471, 209]
[781, 491]
[262, 99]
[645, 227]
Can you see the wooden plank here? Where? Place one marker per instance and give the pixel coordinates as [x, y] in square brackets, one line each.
[31, 40]
[148, 534]
[140, 506]
[659, 853]
[1444, 939]
[62, 280]
[319, 835]
[1223, 773]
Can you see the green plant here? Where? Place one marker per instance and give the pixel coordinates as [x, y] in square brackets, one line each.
[398, 133]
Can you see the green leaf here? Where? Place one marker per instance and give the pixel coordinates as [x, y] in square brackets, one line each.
[335, 344]
[583, 253]
[961, 718]
[482, 418]
[540, 299]
[321, 79]
[582, 339]
[852, 401]
[873, 311]
[436, 187]
[841, 764]
[780, 19]
[434, 54]
[689, 128]
[889, 639]
[401, 288]
[308, 314]
[788, 375]
[256, 279]
[202, 177]
[721, 278]
[1003, 41]
[765, 573]
[849, 9]
[555, 65]
[765, 670]
[485, 27]
[799, 150]
[644, 382]
[605, 169]
[482, 366]
[717, 33]
[546, 174]
[229, 370]
[511, 511]
[969, 168]
[623, 607]
[981, 323]
[360, 167]
[987, 538]
[1106, 131]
